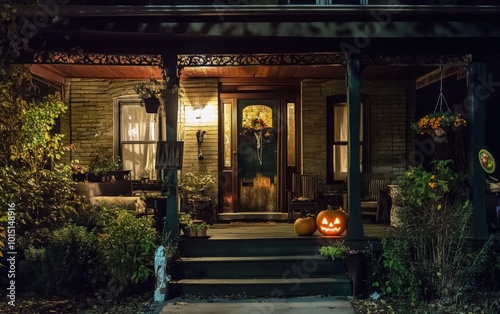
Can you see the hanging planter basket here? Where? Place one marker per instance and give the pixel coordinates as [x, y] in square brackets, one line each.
[440, 135]
[152, 104]
[441, 122]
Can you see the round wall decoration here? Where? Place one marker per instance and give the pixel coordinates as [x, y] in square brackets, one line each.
[486, 160]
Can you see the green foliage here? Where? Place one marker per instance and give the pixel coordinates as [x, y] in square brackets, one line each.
[99, 166]
[38, 145]
[126, 248]
[195, 183]
[400, 280]
[336, 251]
[43, 199]
[432, 259]
[155, 88]
[59, 261]
[420, 186]
[14, 82]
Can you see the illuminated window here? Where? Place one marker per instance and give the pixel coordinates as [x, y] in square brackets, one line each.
[138, 137]
[338, 139]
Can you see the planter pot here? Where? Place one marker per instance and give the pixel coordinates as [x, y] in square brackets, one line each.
[160, 209]
[201, 232]
[79, 177]
[184, 229]
[356, 265]
[95, 177]
[192, 232]
[152, 104]
[118, 175]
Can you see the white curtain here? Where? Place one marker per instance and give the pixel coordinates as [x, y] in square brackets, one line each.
[340, 133]
[138, 135]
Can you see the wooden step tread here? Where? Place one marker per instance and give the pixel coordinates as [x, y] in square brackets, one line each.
[253, 258]
[263, 281]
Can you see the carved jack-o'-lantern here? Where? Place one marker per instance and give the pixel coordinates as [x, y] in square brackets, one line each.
[305, 226]
[331, 222]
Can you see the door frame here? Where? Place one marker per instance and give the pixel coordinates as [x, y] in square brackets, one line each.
[282, 169]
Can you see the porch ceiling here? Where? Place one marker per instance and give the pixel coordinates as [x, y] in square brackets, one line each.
[59, 72]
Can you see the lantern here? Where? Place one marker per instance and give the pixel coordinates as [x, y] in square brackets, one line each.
[331, 222]
[305, 226]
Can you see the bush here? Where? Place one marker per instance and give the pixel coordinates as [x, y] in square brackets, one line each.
[432, 257]
[126, 248]
[59, 261]
[43, 199]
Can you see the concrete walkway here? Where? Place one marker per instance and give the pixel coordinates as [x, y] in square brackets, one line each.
[292, 305]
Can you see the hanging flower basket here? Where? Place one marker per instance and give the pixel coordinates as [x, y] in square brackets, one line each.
[152, 104]
[439, 124]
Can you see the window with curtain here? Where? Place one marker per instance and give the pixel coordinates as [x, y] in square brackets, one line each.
[138, 137]
[338, 124]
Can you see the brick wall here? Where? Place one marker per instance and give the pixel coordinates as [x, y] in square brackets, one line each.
[92, 116]
[92, 112]
[194, 92]
[388, 123]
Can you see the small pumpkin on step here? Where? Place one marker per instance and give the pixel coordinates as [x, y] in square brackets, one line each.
[305, 226]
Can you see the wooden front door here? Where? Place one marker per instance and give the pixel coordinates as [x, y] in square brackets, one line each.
[250, 149]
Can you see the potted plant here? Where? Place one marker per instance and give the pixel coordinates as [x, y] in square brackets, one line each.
[79, 171]
[354, 262]
[144, 176]
[107, 169]
[154, 93]
[201, 229]
[192, 227]
[438, 124]
[194, 189]
[185, 223]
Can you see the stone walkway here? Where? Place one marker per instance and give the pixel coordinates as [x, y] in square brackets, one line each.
[295, 305]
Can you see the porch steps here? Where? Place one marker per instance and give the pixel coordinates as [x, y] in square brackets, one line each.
[278, 267]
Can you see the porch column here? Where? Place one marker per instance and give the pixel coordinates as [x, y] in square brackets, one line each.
[355, 227]
[477, 94]
[171, 108]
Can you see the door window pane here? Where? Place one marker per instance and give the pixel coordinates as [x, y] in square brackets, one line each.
[227, 135]
[291, 140]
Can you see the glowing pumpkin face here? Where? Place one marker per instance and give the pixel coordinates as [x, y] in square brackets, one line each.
[331, 222]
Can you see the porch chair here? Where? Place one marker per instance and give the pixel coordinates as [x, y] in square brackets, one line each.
[374, 195]
[302, 196]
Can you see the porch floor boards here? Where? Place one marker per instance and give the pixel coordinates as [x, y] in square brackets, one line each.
[226, 231]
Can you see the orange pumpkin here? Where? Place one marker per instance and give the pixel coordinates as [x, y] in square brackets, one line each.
[331, 222]
[305, 226]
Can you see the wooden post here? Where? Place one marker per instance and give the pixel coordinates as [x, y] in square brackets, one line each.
[355, 227]
[477, 110]
[172, 218]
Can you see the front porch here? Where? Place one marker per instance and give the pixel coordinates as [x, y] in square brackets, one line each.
[282, 229]
[266, 258]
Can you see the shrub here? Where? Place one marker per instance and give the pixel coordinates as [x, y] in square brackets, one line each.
[432, 257]
[59, 261]
[126, 248]
[43, 199]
